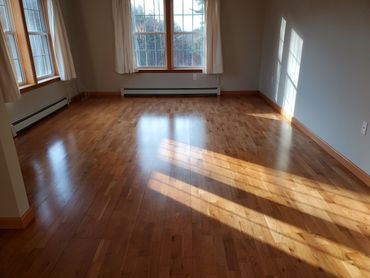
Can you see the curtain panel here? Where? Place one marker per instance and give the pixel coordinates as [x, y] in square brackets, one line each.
[9, 91]
[124, 50]
[58, 33]
[214, 59]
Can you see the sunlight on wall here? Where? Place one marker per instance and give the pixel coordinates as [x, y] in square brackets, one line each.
[294, 241]
[293, 71]
[280, 56]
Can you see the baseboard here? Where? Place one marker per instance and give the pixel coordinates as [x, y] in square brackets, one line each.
[223, 93]
[349, 165]
[239, 93]
[17, 223]
[275, 106]
[359, 173]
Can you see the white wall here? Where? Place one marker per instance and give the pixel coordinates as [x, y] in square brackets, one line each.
[37, 99]
[90, 27]
[13, 198]
[333, 95]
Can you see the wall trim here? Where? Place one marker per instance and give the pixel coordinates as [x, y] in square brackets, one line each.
[17, 223]
[349, 165]
[223, 93]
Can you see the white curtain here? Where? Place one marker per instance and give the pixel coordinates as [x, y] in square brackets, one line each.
[62, 50]
[214, 60]
[125, 56]
[9, 91]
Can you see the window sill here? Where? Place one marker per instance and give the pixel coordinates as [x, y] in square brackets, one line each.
[42, 83]
[170, 71]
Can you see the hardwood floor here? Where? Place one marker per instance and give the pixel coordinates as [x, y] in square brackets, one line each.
[184, 187]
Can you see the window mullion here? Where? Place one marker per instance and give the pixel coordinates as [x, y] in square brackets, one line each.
[169, 33]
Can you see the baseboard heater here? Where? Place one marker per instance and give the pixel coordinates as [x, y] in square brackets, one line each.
[170, 91]
[25, 122]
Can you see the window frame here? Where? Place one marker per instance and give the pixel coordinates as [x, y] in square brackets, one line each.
[43, 33]
[169, 29]
[22, 36]
[145, 33]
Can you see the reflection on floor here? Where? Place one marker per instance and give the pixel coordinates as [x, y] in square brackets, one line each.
[184, 187]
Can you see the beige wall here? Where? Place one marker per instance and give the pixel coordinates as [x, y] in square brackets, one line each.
[35, 100]
[13, 198]
[333, 93]
[90, 25]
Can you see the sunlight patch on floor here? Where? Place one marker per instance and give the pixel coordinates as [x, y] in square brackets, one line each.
[293, 241]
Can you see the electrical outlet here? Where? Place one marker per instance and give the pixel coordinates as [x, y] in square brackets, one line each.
[364, 128]
[195, 76]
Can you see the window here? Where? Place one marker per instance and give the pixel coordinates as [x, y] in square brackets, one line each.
[11, 40]
[168, 34]
[188, 33]
[39, 38]
[149, 33]
[27, 35]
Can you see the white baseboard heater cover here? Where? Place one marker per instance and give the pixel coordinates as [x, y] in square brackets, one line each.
[171, 91]
[37, 116]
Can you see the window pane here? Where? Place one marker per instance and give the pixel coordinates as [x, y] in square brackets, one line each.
[13, 52]
[12, 47]
[38, 38]
[11, 42]
[5, 21]
[177, 7]
[198, 7]
[188, 23]
[150, 50]
[159, 24]
[189, 37]
[188, 7]
[182, 50]
[149, 33]
[41, 55]
[34, 16]
[178, 23]
[159, 8]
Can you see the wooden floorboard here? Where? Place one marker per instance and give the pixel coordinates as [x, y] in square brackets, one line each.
[184, 187]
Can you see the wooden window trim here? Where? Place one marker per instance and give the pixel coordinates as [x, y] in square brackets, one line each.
[168, 19]
[40, 83]
[170, 70]
[168, 6]
[24, 45]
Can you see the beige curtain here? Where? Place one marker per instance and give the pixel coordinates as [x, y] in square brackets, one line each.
[62, 50]
[9, 91]
[214, 60]
[124, 49]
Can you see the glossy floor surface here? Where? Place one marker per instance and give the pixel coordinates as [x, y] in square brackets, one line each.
[184, 187]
